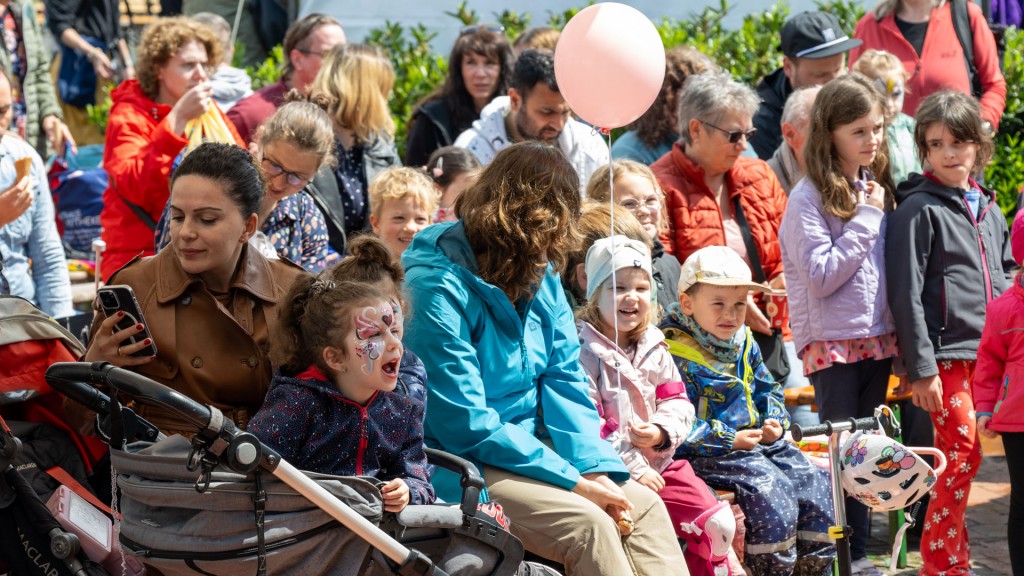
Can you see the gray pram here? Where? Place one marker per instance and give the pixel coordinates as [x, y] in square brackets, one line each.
[225, 504]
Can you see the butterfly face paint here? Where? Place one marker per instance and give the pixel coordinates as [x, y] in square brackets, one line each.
[893, 91]
[373, 327]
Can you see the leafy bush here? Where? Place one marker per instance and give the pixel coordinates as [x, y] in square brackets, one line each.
[1005, 173]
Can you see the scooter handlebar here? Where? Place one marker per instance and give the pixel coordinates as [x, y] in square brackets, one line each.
[853, 424]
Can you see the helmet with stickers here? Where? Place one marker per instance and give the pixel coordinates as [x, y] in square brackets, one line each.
[883, 474]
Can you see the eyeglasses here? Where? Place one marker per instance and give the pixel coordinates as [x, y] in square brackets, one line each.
[472, 28]
[652, 203]
[311, 52]
[734, 135]
[273, 170]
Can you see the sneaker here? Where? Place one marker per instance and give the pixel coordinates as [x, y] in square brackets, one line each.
[864, 567]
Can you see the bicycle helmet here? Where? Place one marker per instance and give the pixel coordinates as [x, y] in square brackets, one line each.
[883, 474]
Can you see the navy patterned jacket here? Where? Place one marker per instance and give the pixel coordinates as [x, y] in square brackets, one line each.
[312, 426]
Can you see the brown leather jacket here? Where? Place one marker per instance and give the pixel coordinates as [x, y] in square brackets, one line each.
[213, 354]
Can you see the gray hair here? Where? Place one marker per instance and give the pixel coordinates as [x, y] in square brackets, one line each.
[798, 107]
[221, 28]
[710, 96]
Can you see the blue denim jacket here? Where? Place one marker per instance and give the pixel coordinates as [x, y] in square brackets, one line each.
[34, 264]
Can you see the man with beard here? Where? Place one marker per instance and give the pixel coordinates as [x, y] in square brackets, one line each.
[535, 110]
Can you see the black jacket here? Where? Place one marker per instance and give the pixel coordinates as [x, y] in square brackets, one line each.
[942, 270]
[430, 128]
[666, 271]
[774, 90]
[378, 156]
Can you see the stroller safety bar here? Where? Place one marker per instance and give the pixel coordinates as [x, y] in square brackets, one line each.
[245, 452]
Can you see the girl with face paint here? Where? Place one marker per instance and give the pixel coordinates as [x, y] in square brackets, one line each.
[889, 76]
[332, 407]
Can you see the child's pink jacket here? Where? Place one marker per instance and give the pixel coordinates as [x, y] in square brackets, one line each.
[648, 389]
[998, 386]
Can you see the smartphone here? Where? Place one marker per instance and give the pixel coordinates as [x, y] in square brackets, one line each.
[121, 298]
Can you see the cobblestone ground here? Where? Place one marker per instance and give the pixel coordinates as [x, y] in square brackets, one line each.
[986, 522]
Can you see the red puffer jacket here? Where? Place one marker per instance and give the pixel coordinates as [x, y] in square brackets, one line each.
[695, 219]
[137, 155]
[998, 386]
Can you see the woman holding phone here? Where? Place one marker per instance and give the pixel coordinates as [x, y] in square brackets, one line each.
[210, 302]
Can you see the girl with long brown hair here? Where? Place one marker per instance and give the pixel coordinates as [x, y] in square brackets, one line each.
[833, 255]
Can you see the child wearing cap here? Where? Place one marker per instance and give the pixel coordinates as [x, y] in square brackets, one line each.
[736, 442]
[641, 399]
[998, 388]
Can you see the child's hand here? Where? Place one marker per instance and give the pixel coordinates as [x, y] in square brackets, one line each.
[983, 428]
[746, 439]
[645, 435]
[396, 495]
[875, 195]
[928, 393]
[771, 431]
[652, 480]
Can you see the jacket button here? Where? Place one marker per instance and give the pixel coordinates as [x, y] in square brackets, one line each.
[251, 362]
[186, 299]
[197, 362]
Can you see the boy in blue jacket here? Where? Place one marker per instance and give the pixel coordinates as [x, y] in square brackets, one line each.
[736, 441]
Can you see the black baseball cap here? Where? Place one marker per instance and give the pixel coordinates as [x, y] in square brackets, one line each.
[815, 35]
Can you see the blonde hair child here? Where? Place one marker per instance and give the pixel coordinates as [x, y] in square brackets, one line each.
[402, 202]
[887, 73]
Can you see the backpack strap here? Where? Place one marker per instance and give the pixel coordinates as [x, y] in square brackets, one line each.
[962, 26]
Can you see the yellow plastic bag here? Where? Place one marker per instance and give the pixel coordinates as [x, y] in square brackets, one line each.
[209, 127]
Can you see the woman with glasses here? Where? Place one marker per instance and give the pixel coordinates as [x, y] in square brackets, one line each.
[291, 147]
[716, 196]
[636, 189]
[478, 70]
[355, 82]
[146, 131]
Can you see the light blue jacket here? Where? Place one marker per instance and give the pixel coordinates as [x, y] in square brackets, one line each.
[835, 270]
[487, 360]
[34, 264]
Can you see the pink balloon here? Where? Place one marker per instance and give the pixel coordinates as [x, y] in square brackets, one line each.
[609, 63]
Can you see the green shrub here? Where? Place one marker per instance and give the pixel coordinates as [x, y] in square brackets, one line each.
[1005, 173]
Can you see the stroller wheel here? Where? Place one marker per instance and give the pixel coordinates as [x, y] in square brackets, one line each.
[535, 569]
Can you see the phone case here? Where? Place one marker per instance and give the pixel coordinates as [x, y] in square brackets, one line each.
[121, 298]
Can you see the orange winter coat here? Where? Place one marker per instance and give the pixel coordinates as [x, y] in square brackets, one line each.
[695, 219]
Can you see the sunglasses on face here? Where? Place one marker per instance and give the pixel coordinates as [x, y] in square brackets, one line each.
[733, 135]
[273, 170]
[472, 28]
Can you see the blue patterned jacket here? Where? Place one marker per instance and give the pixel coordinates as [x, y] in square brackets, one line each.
[727, 398]
[308, 422]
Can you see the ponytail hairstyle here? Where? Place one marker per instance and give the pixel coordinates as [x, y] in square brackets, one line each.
[842, 101]
[448, 163]
[318, 314]
[369, 261]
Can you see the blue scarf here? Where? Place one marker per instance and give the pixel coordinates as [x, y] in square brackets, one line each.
[727, 351]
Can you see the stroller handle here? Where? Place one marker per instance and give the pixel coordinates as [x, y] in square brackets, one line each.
[61, 374]
[853, 424]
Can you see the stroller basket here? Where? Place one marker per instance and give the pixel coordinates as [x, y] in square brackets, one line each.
[178, 530]
[225, 504]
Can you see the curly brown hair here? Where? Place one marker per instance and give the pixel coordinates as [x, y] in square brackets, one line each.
[660, 122]
[162, 39]
[520, 216]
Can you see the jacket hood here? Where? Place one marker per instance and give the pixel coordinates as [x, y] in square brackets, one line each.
[130, 92]
[446, 248]
[315, 380]
[230, 83]
[919, 183]
[650, 340]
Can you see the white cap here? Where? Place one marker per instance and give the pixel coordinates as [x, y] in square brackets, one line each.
[613, 254]
[718, 266]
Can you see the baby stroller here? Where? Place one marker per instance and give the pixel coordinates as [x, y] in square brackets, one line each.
[876, 470]
[38, 452]
[211, 501]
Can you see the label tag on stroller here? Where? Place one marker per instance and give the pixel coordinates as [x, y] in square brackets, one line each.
[89, 519]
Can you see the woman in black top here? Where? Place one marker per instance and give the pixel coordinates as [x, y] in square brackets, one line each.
[478, 70]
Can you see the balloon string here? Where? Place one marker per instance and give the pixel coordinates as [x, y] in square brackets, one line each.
[615, 314]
